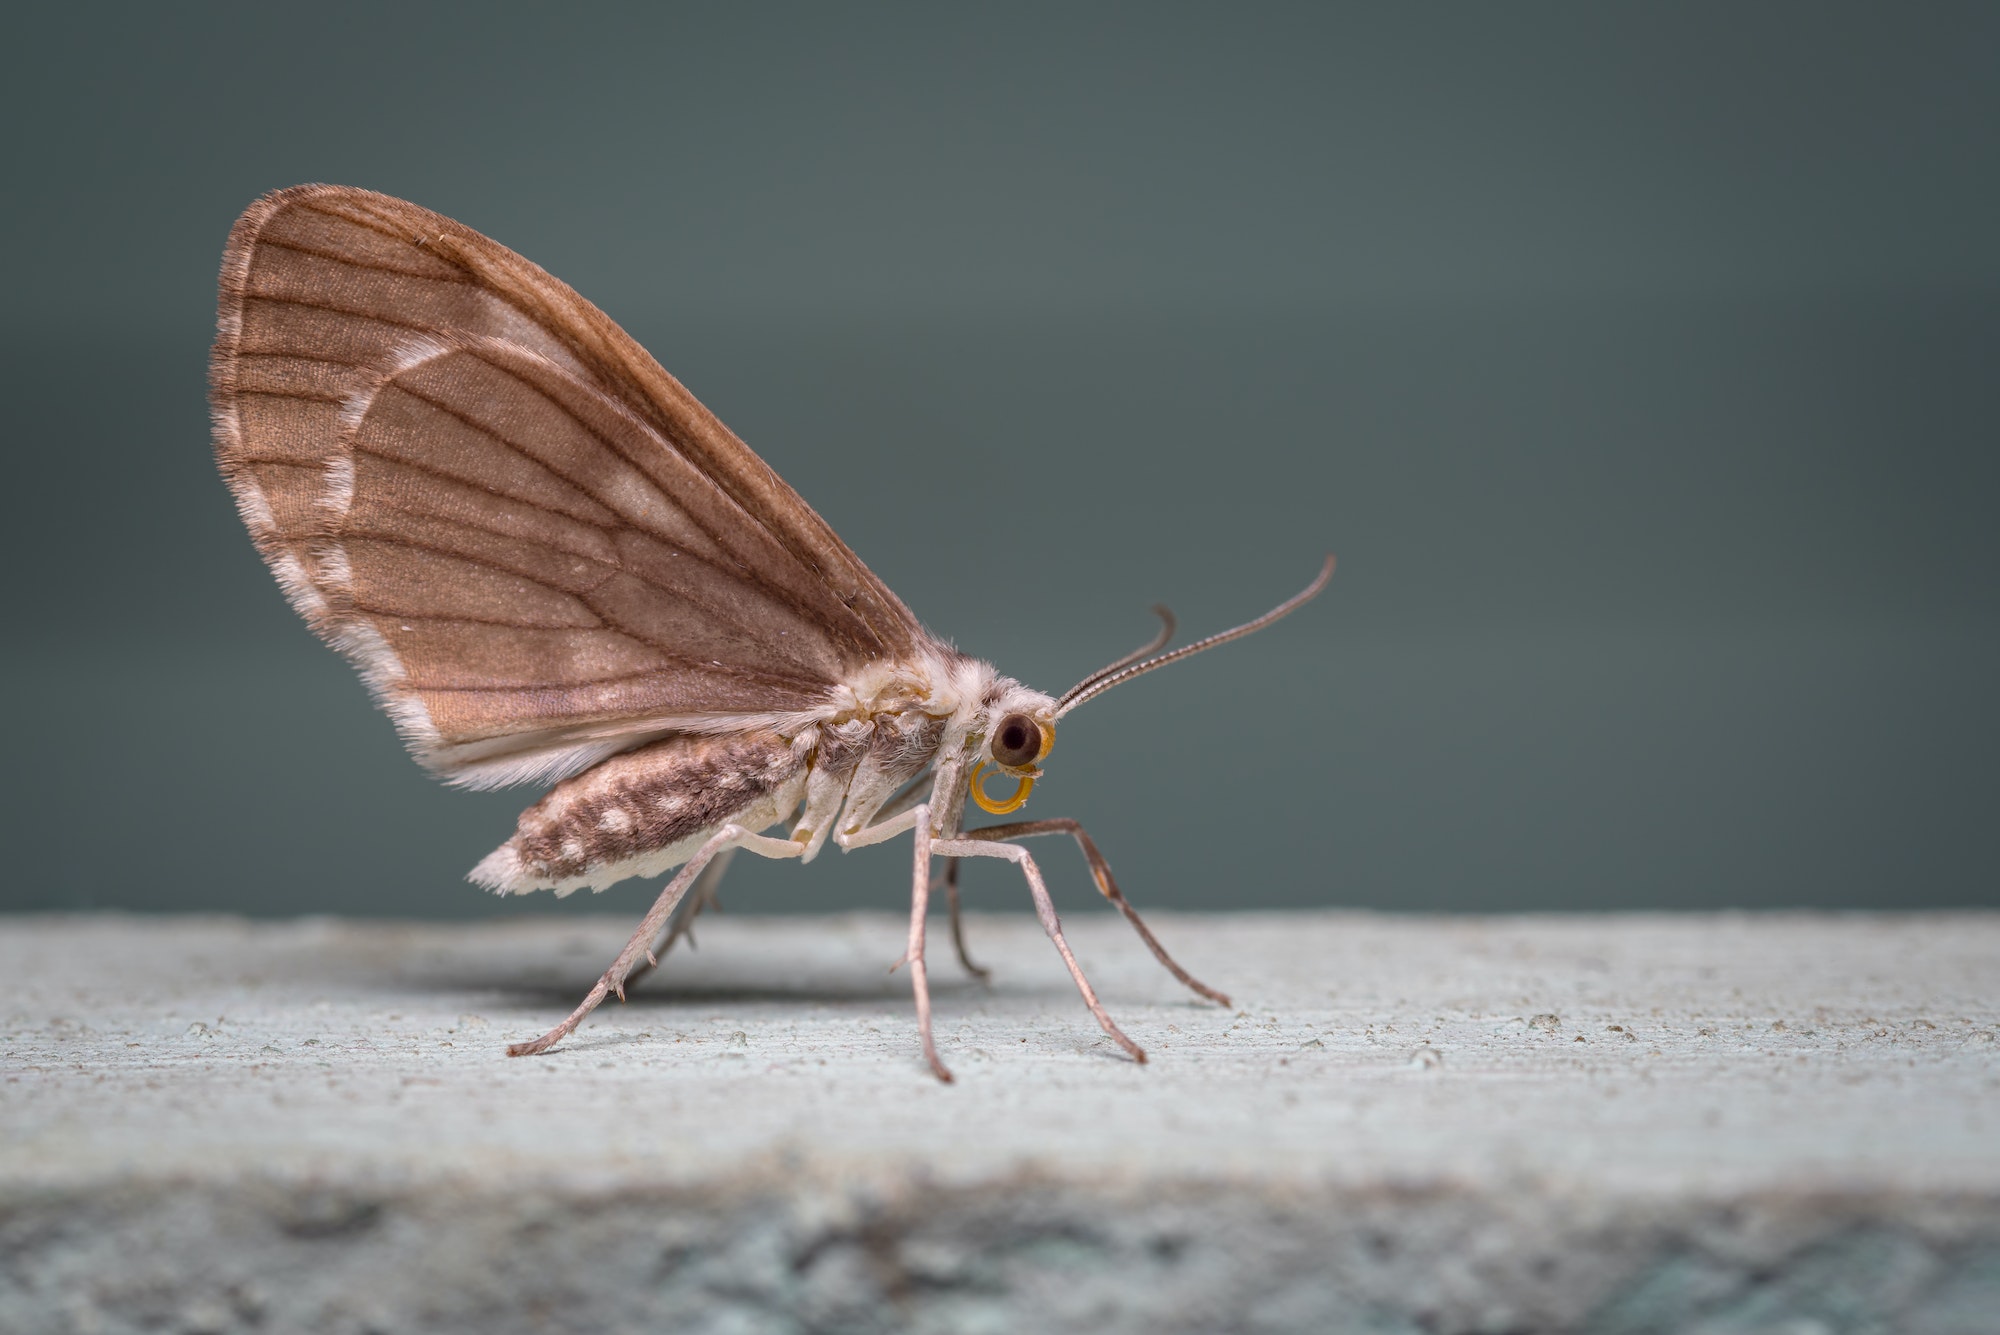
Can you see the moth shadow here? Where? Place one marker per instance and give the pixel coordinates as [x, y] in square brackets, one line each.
[767, 981]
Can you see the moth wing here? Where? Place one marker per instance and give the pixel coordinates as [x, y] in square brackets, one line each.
[535, 544]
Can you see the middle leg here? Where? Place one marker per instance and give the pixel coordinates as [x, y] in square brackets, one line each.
[950, 883]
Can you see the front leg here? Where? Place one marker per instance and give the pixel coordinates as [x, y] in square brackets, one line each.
[915, 818]
[920, 889]
[896, 806]
[1045, 909]
[1100, 871]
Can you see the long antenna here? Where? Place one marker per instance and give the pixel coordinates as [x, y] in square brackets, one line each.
[1152, 646]
[1097, 683]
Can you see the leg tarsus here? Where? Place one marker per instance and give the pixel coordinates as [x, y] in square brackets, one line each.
[536, 1047]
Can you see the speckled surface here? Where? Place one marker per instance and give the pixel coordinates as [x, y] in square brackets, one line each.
[1616, 1124]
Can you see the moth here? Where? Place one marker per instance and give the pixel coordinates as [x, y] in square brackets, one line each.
[552, 566]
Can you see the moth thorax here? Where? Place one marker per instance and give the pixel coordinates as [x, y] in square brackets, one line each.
[903, 743]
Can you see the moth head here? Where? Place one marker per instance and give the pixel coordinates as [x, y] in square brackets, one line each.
[1020, 731]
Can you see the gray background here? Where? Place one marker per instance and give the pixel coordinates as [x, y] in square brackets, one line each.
[1639, 363]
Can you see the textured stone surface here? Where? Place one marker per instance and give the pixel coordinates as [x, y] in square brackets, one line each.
[1630, 1124]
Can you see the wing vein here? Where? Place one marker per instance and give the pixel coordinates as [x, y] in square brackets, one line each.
[316, 305]
[493, 435]
[459, 278]
[713, 611]
[397, 540]
[403, 461]
[291, 356]
[774, 540]
[302, 395]
[455, 618]
[679, 661]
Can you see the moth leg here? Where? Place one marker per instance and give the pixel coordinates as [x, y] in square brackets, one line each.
[876, 833]
[920, 986]
[957, 928]
[916, 818]
[705, 894]
[701, 896]
[896, 806]
[1045, 909]
[1100, 871]
[729, 836]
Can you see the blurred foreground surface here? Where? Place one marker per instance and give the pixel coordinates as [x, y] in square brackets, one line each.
[1614, 1124]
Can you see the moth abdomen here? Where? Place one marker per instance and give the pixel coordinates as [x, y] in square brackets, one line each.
[645, 811]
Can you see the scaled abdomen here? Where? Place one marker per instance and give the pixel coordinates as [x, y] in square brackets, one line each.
[642, 812]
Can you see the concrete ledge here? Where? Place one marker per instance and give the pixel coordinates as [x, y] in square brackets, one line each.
[1630, 1124]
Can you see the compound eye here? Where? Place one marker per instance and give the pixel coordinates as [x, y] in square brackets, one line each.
[1017, 741]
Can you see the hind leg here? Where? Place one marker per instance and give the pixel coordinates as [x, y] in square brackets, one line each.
[728, 837]
[701, 896]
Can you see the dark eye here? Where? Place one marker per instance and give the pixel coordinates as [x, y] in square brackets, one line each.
[1017, 741]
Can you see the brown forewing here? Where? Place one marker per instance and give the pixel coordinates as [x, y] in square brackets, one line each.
[536, 544]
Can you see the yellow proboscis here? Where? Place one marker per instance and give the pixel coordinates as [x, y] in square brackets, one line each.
[988, 805]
